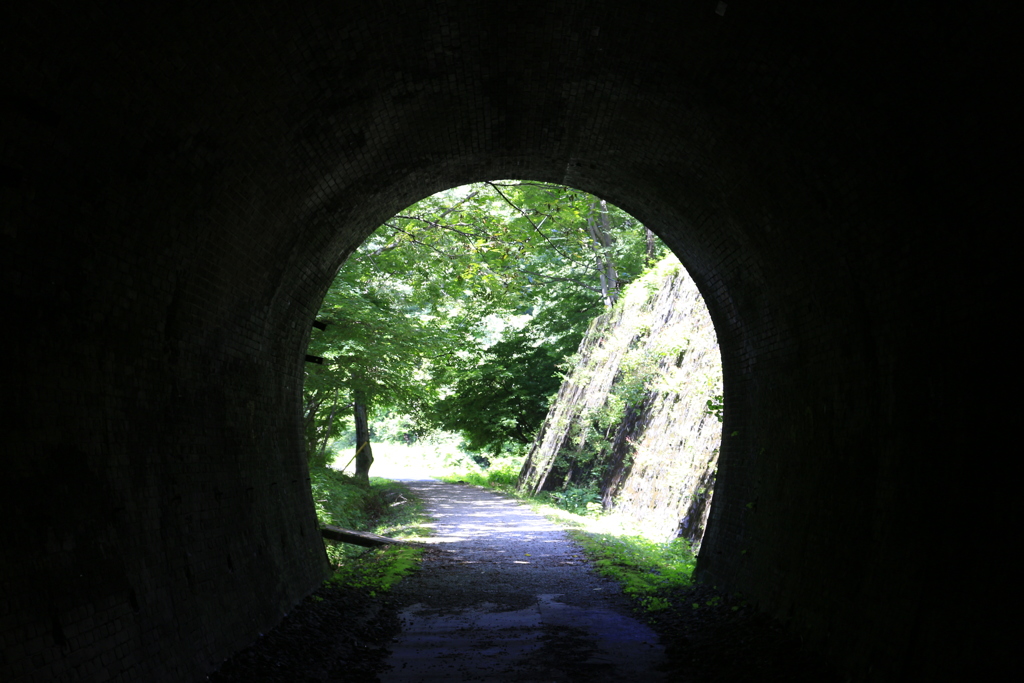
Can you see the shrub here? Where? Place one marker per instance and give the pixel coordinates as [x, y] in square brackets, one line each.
[578, 500]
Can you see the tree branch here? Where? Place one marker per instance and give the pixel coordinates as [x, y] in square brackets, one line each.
[530, 221]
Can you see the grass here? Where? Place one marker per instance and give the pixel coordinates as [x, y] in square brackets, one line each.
[377, 570]
[502, 475]
[650, 570]
[387, 508]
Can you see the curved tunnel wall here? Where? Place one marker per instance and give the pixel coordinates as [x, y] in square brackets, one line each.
[180, 186]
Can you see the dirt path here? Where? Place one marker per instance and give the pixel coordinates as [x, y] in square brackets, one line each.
[506, 596]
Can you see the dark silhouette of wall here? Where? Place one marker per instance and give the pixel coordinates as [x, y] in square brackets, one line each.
[179, 185]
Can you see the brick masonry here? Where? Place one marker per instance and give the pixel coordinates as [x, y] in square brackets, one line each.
[179, 185]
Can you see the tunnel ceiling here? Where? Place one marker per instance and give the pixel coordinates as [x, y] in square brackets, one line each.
[180, 185]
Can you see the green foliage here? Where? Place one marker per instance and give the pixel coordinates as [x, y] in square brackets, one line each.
[387, 508]
[374, 347]
[392, 426]
[716, 407]
[501, 474]
[648, 571]
[578, 500]
[378, 570]
[501, 398]
[339, 501]
[411, 315]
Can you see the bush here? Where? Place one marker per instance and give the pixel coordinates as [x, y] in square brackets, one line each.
[341, 502]
[504, 474]
[578, 500]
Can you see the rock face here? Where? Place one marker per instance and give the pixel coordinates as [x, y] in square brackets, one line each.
[636, 417]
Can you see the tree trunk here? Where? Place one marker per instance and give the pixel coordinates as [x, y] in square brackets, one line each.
[320, 461]
[599, 227]
[649, 260]
[364, 454]
[309, 422]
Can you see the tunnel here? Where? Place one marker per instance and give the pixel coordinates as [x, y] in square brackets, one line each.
[180, 183]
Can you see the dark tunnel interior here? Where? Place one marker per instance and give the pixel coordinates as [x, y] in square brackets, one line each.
[179, 186]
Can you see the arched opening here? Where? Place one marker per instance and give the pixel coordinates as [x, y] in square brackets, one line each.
[461, 313]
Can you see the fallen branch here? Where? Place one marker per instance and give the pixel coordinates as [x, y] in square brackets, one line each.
[359, 537]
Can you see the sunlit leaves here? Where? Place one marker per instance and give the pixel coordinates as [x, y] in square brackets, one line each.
[407, 313]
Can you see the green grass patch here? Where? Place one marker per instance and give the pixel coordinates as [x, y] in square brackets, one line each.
[377, 570]
[648, 571]
[387, 508]
[577, 500]
[340, 501]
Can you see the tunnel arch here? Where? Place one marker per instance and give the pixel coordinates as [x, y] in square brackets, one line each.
[179, 186]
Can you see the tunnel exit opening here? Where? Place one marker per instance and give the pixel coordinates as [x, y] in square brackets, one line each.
[532, 336]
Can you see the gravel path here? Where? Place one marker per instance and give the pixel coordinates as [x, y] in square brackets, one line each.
[506, 596]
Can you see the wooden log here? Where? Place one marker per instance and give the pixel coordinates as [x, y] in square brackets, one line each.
[358, 537]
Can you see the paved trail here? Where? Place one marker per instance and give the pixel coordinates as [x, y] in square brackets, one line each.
[508, 597]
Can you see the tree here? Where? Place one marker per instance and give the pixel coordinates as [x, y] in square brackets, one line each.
[503, 397]
[377, 346]
[411, 312]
